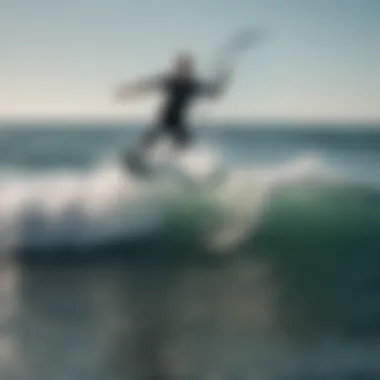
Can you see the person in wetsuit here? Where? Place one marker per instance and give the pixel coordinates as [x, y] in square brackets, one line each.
[179, 88]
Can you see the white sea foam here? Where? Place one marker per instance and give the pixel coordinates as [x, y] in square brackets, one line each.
[106, 203]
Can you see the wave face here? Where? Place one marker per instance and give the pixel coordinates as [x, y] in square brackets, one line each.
[105, 205]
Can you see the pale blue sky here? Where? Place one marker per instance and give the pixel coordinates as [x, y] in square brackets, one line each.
[61, 58]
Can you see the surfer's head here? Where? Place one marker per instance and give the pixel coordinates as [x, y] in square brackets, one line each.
[183, 64]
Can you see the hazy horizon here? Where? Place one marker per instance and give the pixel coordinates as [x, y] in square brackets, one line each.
[214, 123]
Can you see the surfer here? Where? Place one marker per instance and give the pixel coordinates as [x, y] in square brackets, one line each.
[179, 88]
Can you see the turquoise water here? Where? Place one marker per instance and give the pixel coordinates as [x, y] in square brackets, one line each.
[272, 274]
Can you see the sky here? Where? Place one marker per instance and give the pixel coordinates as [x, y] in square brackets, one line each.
[62, 59]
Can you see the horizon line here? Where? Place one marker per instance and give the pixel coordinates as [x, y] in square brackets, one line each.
[210, 121]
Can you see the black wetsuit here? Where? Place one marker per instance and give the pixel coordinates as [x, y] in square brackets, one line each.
[179, 94]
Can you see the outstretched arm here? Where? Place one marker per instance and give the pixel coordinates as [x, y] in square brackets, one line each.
[138, 88]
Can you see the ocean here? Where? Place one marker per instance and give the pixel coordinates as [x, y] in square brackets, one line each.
[270, 270]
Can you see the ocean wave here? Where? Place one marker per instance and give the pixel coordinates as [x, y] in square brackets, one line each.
[293, 236]
[297, 200]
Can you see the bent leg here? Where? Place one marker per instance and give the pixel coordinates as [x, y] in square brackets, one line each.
[181, 137]
[134, 158]
[150, 137]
